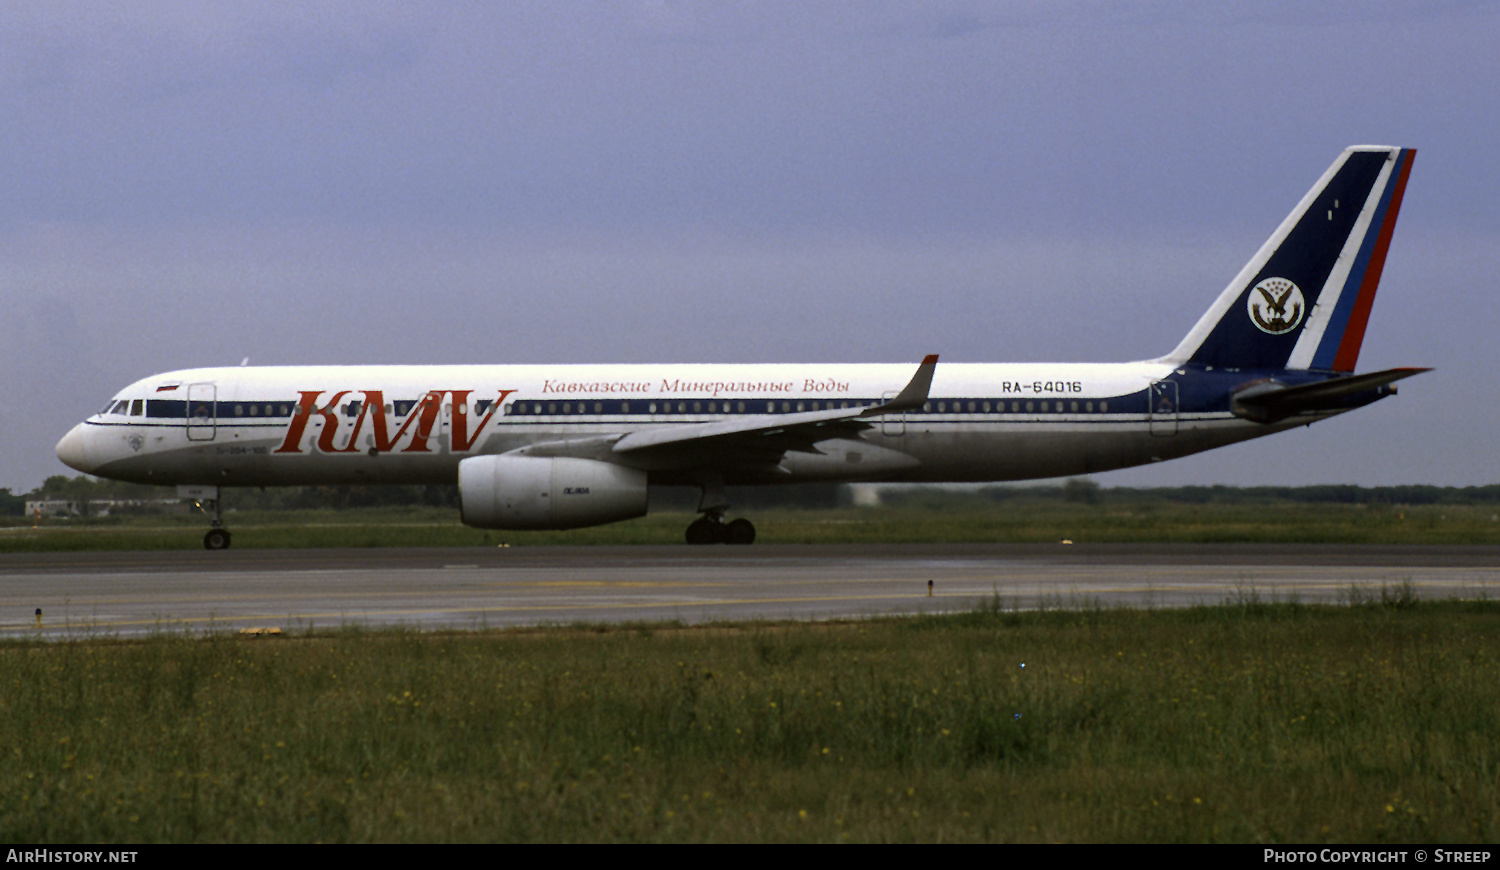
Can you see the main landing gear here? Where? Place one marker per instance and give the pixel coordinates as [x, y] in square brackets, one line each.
[711, 527]
[207, 500]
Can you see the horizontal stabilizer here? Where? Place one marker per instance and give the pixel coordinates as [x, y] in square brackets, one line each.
[1268, 401]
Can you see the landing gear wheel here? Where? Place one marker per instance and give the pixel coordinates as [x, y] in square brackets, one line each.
[216, 539]
[705, 531]
[740, 531]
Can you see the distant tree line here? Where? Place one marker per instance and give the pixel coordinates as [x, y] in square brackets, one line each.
[1088, 492]
[813, 496]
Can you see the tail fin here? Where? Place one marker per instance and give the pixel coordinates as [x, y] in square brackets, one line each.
[1303, 301]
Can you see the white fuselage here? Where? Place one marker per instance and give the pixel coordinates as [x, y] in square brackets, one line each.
[286, 425]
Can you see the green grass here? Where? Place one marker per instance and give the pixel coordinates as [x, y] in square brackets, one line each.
[1034, 520]
[1254, 721]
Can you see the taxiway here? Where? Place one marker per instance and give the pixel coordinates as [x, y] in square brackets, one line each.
[82, 594]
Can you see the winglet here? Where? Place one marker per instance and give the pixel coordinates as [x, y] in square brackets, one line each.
[914, 395]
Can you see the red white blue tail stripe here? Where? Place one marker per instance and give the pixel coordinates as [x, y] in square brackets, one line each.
[1337, 349]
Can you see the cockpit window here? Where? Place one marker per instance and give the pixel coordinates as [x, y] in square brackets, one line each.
[119, 407]
[137, 407]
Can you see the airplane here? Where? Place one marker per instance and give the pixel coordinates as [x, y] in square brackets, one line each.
[568, 446]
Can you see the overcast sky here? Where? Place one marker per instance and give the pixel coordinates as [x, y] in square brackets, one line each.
[191, 183]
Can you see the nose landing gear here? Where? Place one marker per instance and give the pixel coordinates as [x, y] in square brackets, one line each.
[216, 539]
[206, 498]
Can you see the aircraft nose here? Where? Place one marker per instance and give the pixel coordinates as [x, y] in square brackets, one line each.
[73, 449]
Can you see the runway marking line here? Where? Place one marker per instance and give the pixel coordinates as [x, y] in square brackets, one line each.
[1033, 587]
[502, 609]
[608, 584]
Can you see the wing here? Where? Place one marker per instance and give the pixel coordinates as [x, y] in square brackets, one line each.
[759, 439]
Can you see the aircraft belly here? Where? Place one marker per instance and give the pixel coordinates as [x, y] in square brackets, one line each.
[982, 452]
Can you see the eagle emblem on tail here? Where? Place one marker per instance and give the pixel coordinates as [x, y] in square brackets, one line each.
[1276, 306]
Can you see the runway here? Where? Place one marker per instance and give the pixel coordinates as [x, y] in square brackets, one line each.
[127, 594]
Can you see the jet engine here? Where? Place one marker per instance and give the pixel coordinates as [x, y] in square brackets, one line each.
[558, 492]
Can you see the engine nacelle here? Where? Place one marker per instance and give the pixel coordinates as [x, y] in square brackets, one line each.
[559, 492]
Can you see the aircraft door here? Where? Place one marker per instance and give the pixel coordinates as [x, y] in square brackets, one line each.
[202, 418]
[1163, 408]
[892, 424]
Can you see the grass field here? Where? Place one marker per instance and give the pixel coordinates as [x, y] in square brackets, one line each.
[971, 520]
[1375, 722]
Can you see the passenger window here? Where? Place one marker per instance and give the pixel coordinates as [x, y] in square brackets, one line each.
[1073, 406]
[239, 410]
[1104, 407]
[1089, 407]
[971, 407]
[770, 407]
[927, 407]
[786, 407]
[254, 411]
[1029, 407]
[742, 407]
[625, 407]
[551, 407]
[598, 407]
[986, 407]
[567, 407]
[942, 407]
